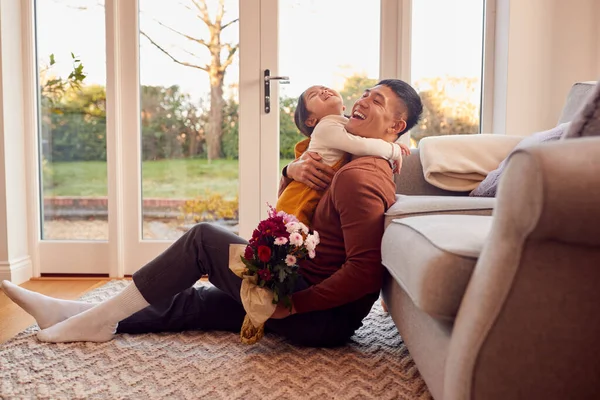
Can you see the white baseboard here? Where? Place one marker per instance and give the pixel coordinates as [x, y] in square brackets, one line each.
[16, 271]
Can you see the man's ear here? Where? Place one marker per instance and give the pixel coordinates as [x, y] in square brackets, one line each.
[311, 122]
[399, 126]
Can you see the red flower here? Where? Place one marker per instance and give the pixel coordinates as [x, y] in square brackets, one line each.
[249, 253]
[264, 274]
[264, 253]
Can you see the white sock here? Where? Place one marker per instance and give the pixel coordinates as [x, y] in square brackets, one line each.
[47, 311]
[98, 324]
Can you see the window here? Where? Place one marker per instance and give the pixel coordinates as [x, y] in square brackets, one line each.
[446, 65]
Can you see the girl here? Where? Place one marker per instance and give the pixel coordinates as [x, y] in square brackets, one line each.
[319, 115]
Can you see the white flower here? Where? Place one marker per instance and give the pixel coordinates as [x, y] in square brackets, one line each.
[292, 227]
[290, 260]
[303, 227]
[280, 241]
[296, 239]
[311, 254]
[310, 243]
[317, 237]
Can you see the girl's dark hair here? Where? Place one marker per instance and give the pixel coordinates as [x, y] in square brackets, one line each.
[411, 99]
[300, 117]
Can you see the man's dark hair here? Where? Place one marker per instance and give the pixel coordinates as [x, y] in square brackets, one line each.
[301, 115]
[411, 99]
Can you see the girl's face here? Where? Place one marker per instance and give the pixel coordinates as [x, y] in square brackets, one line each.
[322, 101]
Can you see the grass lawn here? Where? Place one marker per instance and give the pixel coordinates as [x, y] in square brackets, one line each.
[164, 178]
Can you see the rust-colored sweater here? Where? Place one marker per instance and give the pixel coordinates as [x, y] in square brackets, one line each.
[350, 222]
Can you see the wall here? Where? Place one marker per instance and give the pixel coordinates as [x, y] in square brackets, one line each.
[543, 47]
[15, 263]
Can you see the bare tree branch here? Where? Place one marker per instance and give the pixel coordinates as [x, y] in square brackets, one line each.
[201, 6]
[203, 68]
[229, 23]
[193, 39]
[220, 12]
[190, 53]
[229, 59]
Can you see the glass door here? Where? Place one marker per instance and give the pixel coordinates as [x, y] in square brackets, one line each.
[72, 136]
[184, 164]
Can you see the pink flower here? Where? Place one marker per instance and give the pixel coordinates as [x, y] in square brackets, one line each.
[290, 260]
[280, 241]
[296, 239]
[312, 254]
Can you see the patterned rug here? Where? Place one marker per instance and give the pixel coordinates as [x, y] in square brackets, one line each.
[212, 365]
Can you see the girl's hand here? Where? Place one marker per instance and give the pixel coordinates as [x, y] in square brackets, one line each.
[309, 170]
[404, 149]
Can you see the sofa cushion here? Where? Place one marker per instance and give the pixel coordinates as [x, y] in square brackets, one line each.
[577, 97]
[432, 258]
[587, 121]
[412, 206]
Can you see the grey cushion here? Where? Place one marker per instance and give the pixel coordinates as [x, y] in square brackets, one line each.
[575, 100]
[587, 121]
[435, 257]
[412, 206]
[489, 186]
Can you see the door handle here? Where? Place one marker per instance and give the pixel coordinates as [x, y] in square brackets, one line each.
[267, 83]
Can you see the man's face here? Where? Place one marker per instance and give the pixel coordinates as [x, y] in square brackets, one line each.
[379, 113]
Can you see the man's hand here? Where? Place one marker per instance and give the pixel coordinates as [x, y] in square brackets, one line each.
[309, 170]
[282, 311]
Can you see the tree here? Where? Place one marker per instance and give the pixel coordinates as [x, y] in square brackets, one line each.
[215, 68]
[172, 126]
[450, 107]
[289, 134]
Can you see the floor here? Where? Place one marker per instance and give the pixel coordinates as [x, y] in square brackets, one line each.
[13, 319]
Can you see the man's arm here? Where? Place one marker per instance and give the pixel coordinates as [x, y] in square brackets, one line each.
[361, 204]
[307, 169]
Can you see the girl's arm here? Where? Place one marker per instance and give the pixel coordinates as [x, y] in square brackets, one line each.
[330, 132]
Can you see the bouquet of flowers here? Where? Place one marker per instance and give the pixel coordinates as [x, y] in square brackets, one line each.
[268, 266]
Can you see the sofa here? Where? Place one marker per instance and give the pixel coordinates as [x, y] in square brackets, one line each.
[497, 298]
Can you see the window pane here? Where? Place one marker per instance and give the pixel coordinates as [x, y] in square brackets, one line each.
[72, 123]
[447, 54]
[323, 52]
[189, 119]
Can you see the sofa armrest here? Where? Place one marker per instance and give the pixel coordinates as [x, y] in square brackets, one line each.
[411, 180]
[527, 326]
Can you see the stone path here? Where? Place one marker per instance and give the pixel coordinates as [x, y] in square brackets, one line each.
[96, 229]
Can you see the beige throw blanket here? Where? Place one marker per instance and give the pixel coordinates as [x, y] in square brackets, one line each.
[459, 162]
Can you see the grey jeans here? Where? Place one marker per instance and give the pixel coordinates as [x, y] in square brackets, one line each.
[166, 283]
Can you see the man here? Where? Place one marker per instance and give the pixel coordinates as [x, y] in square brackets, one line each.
[336, 289]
